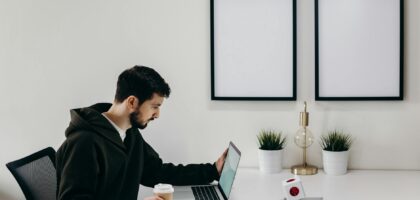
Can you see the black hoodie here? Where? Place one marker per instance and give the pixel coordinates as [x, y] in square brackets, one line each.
[94, 163]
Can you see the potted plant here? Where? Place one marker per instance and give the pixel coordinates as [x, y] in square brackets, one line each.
[270, 151]
[335, 152]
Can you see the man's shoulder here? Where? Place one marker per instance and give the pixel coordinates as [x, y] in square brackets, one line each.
[82, 135]
[80, 138]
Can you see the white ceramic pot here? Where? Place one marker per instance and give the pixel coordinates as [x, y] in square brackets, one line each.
[335, 163]
[270, 161]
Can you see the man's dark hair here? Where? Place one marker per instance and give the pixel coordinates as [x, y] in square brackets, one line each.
[141, 82]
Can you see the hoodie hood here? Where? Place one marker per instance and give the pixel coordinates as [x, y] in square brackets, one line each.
[91, 119]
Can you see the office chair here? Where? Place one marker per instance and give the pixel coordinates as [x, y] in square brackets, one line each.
[36, 174]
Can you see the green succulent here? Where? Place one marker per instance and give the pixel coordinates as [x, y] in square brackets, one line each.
[336, 141]
[270, 140]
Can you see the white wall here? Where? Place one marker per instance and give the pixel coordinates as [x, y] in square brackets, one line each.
[57, 55]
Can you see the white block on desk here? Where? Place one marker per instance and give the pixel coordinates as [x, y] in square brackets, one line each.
[293, 188]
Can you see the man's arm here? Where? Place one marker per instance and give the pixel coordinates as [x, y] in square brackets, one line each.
[155, 171]
[77, 168]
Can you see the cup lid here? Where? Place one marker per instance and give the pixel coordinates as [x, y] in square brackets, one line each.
[163, 188]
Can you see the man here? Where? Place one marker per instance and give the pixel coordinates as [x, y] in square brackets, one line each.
[104, 155]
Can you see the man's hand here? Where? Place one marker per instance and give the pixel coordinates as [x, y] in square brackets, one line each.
[221, 161]
[153, 198]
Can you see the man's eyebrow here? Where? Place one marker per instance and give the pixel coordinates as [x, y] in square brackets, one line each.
[156, 104]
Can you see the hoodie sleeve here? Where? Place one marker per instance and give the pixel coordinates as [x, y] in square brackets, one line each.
[77, 168]
[155, 171]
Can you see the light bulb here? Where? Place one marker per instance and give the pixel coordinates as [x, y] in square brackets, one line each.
[304, 137]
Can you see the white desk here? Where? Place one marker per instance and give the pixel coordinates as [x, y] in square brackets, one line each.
[355, 185]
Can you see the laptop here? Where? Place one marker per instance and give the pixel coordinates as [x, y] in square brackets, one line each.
[222, 190]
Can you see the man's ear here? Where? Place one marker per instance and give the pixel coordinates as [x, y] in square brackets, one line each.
[132, 103]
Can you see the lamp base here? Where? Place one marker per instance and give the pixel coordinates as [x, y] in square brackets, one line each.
[304, 170]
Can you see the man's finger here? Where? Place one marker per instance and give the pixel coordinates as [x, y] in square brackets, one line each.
[225, 153]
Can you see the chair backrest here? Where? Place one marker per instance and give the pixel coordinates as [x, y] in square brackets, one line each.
[36, 174]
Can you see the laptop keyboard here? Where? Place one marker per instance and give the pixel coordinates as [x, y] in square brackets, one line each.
[205, 193]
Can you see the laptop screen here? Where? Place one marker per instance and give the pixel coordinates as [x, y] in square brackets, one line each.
[229, 169]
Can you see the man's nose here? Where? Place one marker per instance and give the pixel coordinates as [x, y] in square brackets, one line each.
[157, 114]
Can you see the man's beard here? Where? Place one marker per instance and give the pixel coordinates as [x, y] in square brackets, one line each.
[134, 121]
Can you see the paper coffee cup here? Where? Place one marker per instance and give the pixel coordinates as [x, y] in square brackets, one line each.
[164, 191]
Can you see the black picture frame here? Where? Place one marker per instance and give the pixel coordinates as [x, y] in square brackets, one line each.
[357, 58]
[248, 62]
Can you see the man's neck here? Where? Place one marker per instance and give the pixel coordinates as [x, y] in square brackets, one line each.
[118, 115]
